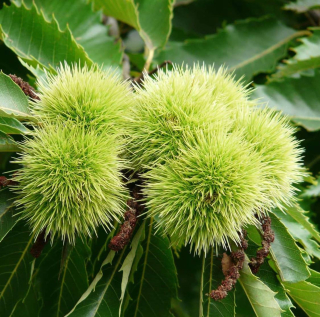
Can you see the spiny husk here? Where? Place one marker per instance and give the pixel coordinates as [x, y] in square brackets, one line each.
[84, 95]
[212, 160]
[176, 102]
[209, 192]
[70, 181]
[272, 136]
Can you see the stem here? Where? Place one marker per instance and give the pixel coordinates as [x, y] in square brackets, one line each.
[122, 238]
[139, 80]
[149, 59]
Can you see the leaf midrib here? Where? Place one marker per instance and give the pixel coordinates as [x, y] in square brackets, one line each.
[269, 50]
[252, 303]
[109, 282]
[16, 267]
[144, 267]
[62, 283]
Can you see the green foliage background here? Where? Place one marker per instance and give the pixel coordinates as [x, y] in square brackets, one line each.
[274, 44]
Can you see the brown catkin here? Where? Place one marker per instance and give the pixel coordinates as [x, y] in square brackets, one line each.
[119, 241]
[233, 273]
[267, 239]
[25, 87]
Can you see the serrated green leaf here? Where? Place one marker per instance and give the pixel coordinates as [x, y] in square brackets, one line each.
[298, 98]
[13, 102]
[299, 233]
[260, 296]
[297, 213]
[86, 28]
[212, 276]
[189, 268]
[254, 235]
[7, 143]
[269, 277]
[203, 17]
[306, 59]
[314, 278]
[243, 306]
[102, 298]
[125, 11]
[30, 36]
[127, 265]
[286, 254]
[62, 277]
[39, 71]
[12, 126]
[301, 6]
[155, 282]
[7, 211]
[152, 18]
[267, 39]
[29, 306]
[306, 295]
[313, 190]
[99, 249]
[15, 267]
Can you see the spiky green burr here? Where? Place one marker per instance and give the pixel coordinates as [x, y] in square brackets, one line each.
[272, 136]
[211, 159]
[70, 181]
[88, 96]
[209, 192]
[176, 102]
